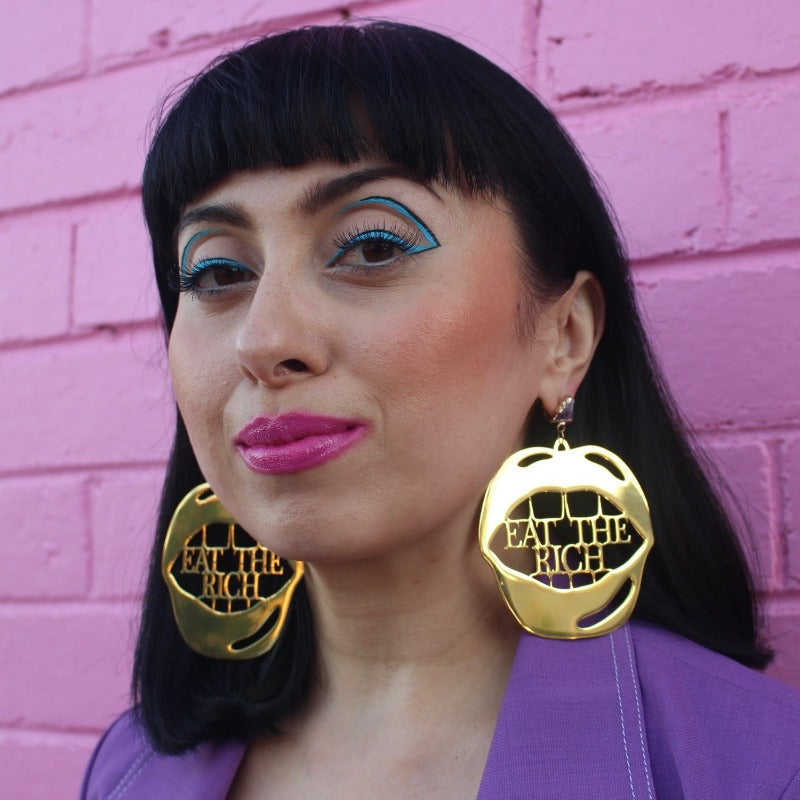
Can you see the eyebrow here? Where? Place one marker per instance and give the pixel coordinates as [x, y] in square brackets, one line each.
[324, 193]
[218, 213]
[314, 198]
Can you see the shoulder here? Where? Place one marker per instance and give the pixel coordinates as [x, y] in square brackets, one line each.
[122, 752]
[715, 728]
[124, 766]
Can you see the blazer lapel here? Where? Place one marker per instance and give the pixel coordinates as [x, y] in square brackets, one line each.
[571, 724]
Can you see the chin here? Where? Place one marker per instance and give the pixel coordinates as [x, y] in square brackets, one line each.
[301, 537]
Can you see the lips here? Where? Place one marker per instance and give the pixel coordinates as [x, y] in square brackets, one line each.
[295, 441]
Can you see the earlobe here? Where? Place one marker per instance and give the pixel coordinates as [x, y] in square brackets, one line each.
[578, 322]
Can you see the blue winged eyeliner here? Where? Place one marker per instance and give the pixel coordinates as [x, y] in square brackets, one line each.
[188, 275]
[390, 237]
[401, 209]
[188, 247]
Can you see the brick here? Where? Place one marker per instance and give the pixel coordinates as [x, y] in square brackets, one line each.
[42, 766]
[113, 274]
[784, 637]
[728, 337]
[123, 514]
[34, 300]
[78, 658]
[159, 25]
[659, 166]
[790, 486]
[40, 41]
[100, 401]
[745, 469]
[44, 539]
[765, 165]
[500, 37]
[617, 45]
[83, 137]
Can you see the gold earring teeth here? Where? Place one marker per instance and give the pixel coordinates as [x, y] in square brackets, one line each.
[566, 532]
[230, 595]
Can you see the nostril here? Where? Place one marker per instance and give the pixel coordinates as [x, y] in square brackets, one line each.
[292, 365]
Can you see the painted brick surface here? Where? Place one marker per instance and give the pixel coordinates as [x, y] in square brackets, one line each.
[717, 331]
[120, 416]
[688, 113]
[45, 766]
[83, 680]
[162, 26]
[506, 39]
[41, 42]
[619, 45]
[747, 471]
[765, 164]
[113, 242]
[36, 278]
[790, 489]
[660, 210]
[82, 138]
[123, 514]
[784, 637]
[44, 537]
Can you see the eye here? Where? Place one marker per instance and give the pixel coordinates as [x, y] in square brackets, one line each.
[215, 275]
[371, 248]
[375, 252]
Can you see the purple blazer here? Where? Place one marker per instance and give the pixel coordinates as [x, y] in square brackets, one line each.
[640, 714]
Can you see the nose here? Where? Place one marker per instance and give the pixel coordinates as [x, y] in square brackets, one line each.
[280, 339]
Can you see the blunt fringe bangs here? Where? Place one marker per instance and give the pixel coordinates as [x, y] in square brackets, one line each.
[443, 113]
[404, 94]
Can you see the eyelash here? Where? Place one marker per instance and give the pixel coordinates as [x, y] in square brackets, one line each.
[367, 234]
[188, 280]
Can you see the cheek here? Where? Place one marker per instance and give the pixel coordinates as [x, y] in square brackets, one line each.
[200, 373]
[455, 352]
[468, 328]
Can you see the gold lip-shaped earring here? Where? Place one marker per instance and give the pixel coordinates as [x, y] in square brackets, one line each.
[576, 525]
[230, 595]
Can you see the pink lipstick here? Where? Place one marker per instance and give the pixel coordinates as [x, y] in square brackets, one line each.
[295, 441]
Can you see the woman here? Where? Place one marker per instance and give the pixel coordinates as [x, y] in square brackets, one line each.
[384, 269]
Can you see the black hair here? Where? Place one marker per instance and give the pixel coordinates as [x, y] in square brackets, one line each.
[423, 101]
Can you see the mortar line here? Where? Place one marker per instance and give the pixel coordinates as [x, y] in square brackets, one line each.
[34, 605]
[107, 331]
[726, 189]
[778, 546]
[778, 498]
[83, 735]
[566, 106]
[772, 247]
[87, 36]
[67, 470]
[72, 273]
[86, 502]
[531, 46]
[65, 203]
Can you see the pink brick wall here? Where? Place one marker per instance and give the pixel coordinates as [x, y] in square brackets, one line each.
[689, 113]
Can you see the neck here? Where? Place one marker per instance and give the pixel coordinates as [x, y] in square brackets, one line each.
[393, 632]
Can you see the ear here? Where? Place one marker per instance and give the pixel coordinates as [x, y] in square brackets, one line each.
[576, 322]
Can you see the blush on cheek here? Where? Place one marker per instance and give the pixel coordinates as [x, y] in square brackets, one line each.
[446, 350]
[481, 328]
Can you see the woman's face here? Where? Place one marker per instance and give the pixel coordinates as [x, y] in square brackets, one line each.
[347, 355]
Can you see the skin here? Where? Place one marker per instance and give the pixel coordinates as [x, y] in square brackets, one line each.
[426, 350]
